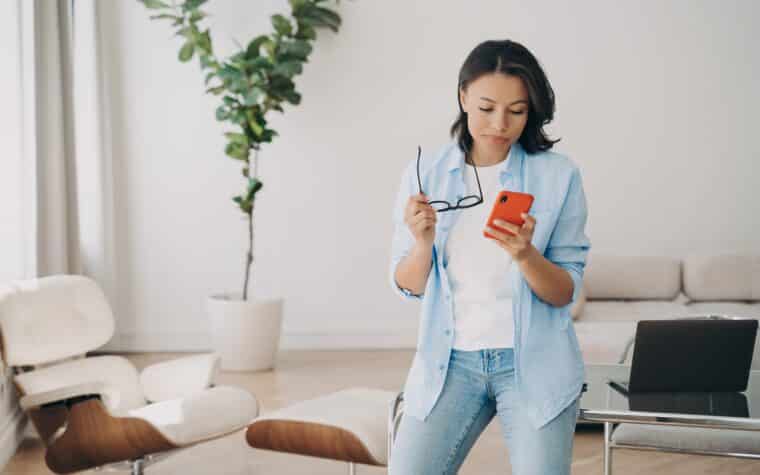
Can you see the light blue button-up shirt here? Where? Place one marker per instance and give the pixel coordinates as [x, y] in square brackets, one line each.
[549, 368]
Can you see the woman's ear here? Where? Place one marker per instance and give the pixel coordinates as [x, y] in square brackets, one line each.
[463, 99]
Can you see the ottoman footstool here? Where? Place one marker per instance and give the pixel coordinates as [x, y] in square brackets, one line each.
[352, 425]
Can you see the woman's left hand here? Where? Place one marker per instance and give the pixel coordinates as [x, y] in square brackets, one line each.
[518, 246]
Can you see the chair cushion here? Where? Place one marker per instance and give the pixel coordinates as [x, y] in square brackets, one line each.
[726, 277]
[52, 318]
[115, 372]
[604, 342]
[202, 416]
[641, 277]
[179, 377]
[688, 438]
[359, 412]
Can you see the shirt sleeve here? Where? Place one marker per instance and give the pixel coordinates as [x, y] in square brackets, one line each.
[568, 245]
[403, 240]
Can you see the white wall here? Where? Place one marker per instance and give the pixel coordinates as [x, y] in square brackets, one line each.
[656, 103]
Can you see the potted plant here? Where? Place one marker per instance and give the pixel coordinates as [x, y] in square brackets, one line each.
[252, 83]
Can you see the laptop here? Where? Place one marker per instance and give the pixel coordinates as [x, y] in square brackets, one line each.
[691, 355]
[732, 404]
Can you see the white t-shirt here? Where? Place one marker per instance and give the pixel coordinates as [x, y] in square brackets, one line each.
[478, 270]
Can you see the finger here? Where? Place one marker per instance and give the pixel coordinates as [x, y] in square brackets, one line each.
[422, 218]
[530, 221]
[418, 198]
[499, 235]
[424, 225]
[506, 225]
[426, 212]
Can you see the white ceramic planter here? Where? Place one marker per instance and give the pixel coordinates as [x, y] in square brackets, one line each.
[246, 334]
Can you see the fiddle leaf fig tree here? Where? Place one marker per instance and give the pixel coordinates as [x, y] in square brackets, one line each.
[252, 83]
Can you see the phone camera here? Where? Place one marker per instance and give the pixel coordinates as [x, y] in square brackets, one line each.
[503, 199]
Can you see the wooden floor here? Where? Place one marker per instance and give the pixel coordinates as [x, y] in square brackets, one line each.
[305, 374]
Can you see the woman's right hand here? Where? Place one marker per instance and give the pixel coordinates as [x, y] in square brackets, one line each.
[420, 217]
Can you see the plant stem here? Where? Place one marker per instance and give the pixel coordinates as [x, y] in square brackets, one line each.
[249, 256]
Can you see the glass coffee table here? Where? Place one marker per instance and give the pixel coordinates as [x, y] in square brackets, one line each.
[676, 422]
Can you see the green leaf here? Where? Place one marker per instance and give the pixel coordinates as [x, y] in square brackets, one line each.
[197, 15]
[297, 49]
[318, 17]
[288, 68]
[186, 53]
[329, 17]
[282, 25]
[254, 185]
[154, 4]
[204, 41]
[165, 15]
[292, 96]
[216, 90]
[230, 72]
[306, 32]
[253, 122]
[252, 51]
[261, 63]
[230, 101]
[296, 4]
[193, 4]
[208, 61]
[236, 151]
[209, 77]
[222, 113]
[252, 97]
[237, 138]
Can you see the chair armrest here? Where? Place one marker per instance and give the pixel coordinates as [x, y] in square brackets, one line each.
[69, 394]
[179, 377]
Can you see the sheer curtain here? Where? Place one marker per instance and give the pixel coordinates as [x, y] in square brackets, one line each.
[66, 169]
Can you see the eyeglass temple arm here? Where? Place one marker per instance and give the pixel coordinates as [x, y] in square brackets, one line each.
[419, 154]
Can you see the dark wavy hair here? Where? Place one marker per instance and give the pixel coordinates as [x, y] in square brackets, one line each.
[511, 58]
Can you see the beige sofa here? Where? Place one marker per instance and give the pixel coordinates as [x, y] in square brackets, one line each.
[621, 290]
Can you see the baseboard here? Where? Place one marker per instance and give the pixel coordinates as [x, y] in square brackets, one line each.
[188, 342]
[11, 435]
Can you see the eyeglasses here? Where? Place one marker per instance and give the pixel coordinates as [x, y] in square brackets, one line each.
[465, 202]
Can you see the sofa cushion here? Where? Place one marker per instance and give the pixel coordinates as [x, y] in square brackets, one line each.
[604, 342]
[688, 438]
[723, 277]
[621, 277]
[631, 310]
[733, 309]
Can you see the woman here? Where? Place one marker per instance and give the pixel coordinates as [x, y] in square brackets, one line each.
[495, 337]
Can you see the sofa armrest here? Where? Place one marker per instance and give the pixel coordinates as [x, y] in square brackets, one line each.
[179, 377]
[69, 394]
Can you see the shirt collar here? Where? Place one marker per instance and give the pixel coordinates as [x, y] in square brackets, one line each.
[511, 166]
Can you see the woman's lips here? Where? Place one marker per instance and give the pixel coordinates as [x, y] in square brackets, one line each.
[496, 139]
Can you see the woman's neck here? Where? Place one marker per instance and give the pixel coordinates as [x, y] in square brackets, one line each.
[484, 159]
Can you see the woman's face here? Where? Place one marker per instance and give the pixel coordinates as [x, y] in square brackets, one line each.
[497, 110]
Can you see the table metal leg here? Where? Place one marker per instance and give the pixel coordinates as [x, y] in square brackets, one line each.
[607, 448]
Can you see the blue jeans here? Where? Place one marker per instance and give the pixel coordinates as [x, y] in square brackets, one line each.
[480, 384]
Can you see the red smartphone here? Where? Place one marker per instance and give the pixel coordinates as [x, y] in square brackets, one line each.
[508, 206]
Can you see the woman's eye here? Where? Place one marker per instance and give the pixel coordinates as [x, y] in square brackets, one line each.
[485, 110]
[518, 112]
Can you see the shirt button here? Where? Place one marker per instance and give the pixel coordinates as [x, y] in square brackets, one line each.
[441, 367]
[448, 332]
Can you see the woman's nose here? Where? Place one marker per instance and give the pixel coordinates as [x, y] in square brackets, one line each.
[501, 122]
